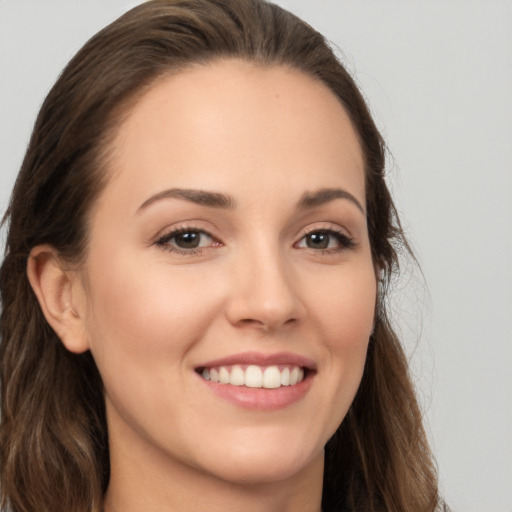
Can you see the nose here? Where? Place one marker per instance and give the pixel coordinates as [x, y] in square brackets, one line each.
[264, 293]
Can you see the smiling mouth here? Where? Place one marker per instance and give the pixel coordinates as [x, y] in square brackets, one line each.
[254, 376]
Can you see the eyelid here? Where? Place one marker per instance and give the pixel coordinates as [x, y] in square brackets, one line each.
[178, 227]
[163, 239]
[176, 232]
[324, 226]
[345, 239]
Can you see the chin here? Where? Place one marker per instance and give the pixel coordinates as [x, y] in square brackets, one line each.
[250, 472]
[263, 463]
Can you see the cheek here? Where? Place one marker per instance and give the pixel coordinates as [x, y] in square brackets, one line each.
[143, 324]
[345, 306]
[345, 316]
[150, 311]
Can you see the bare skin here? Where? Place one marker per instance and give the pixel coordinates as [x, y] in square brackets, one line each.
[231, 232]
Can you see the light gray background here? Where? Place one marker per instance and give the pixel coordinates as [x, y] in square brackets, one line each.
[438, 76]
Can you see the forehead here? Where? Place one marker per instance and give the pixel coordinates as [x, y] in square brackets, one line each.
[232, 117]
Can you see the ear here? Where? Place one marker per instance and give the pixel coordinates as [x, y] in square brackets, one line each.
[379, 269]
[61, 296]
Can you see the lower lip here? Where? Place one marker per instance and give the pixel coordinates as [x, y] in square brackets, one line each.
[262, 399]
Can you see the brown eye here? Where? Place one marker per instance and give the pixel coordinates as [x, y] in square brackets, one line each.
[318, 240]
[188, 240]
[325, 240]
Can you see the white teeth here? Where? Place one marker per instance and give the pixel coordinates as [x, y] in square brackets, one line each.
[285, 377]
[294, 376]
[269, 377]
[223, 375]
[237, 376]
[253, 377]
[214, 375]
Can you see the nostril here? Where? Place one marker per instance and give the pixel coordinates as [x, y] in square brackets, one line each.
[266, 325]
[264, 305]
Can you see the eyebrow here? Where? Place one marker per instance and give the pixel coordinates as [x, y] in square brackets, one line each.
[325, 195]
[217, 200]
[202, 197]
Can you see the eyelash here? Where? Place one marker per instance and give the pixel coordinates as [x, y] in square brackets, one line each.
[345, 242]
[164, 241]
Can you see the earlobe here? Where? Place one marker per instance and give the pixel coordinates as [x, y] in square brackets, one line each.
[379, 269]
[55, 289]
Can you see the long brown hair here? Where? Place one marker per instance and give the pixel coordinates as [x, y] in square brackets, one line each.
[53, 436]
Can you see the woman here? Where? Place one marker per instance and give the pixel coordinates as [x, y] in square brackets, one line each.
[193, 291]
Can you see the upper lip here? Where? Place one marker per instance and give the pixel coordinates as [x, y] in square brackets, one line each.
[259, 359]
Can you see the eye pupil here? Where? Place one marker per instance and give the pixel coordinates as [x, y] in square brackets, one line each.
[318, 240]
[188, 240]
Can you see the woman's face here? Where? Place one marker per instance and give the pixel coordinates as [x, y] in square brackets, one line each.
[231, 243]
